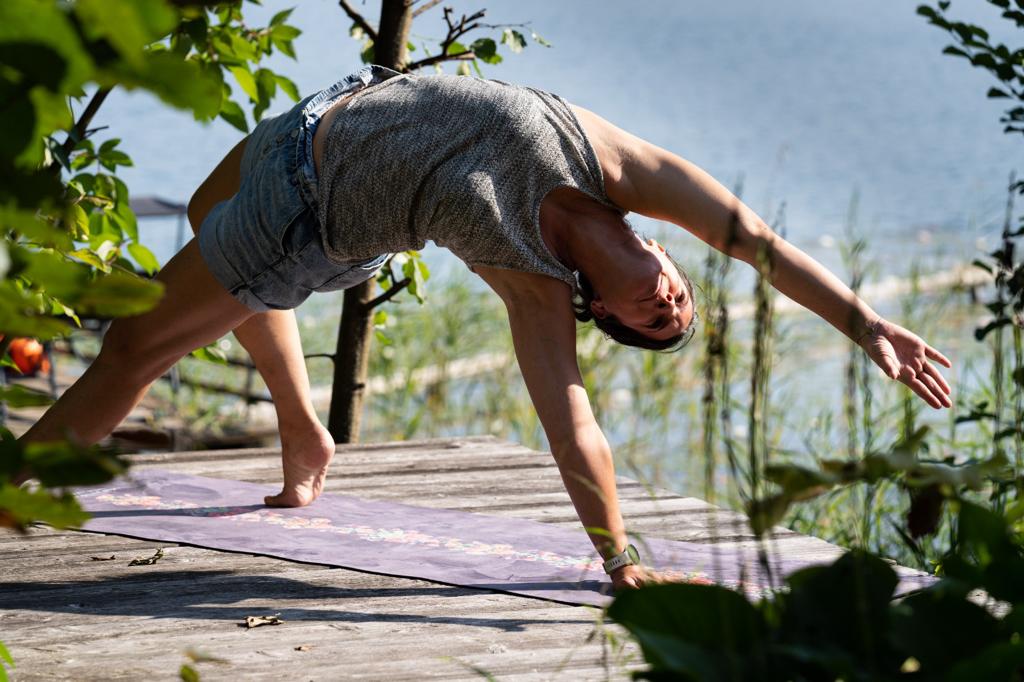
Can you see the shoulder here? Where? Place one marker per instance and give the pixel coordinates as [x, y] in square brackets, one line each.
[619, 153]
[527, 291]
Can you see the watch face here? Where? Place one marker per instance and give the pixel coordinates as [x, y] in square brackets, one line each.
[633, 554]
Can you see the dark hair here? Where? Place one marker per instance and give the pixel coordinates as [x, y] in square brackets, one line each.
[628, 336]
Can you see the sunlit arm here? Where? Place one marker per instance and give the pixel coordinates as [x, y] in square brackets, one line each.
[544, 336]
[651, 181]
[656, 183]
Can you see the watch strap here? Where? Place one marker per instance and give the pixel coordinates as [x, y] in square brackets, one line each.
[627, 557]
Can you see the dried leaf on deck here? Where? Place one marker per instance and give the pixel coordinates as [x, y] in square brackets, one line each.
[103, 558]
[303, 647]
[148, 561]
[256, 621]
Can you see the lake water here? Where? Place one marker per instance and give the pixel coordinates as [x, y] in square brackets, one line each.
[808, 101]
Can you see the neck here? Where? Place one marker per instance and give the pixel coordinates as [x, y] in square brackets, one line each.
[592, 239]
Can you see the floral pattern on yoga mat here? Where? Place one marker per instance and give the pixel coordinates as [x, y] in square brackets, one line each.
[392, 538]
[394, 535]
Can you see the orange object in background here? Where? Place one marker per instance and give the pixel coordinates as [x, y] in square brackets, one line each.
[29, 356]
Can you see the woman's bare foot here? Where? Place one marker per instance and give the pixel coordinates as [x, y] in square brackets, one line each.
[305, 455]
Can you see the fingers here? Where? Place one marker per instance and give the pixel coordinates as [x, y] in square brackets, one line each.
[935, 389]
[937, 357]
[937, 376]
[918, 387]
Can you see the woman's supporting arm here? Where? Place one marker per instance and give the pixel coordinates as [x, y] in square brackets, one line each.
[646, 179]
[544, 336]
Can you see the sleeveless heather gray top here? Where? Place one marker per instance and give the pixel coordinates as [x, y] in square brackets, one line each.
[461, 161]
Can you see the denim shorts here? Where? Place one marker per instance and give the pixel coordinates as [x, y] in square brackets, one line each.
[264, 244]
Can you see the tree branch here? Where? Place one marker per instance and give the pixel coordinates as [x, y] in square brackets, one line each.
[388, 295]
[456, 30]
[81, 126]
[358, 18]
[429, 4]
[438, 58]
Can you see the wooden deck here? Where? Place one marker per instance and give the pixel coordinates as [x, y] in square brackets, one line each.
[66, 615]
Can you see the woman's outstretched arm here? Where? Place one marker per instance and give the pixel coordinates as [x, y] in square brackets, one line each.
[646, 179]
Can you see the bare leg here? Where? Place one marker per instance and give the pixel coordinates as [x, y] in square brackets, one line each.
[195, 311]
[272, 341]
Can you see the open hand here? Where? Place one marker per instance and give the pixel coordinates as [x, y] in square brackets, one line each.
[902, 355]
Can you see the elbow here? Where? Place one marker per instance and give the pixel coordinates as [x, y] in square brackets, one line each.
[756, 244]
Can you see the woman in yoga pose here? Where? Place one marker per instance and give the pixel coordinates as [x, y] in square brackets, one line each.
[529, 191]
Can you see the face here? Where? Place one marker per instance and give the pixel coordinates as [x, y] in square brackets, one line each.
[658, 303]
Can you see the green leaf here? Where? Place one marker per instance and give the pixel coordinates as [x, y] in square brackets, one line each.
[123, 215]
[1000, 661]
[288, 86]
[20, 507]
[233, 114]
[367, 53]
[44, 23]
[5, 655]
[188, 674]
[54, 274]
[940, 627]
[210, 353]
[704, 631]
[119, 294]
[246, 81]
[87, 256]
[842, 607]
[144, 257]
[281, 16]
[183, 84]
[285, 32]
[284, 45]
[514, 39]
[486, 51]
[62, 464]
[16, 395]
[127, 26]
[242, 48]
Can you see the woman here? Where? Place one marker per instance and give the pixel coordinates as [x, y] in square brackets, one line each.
[528, 190]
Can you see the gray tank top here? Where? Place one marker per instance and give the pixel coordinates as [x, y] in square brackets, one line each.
[461, 161]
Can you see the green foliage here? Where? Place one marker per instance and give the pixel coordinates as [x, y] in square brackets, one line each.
[67, 226]
[900, 464]
[5, 661]
[838, 621]
[973, 43]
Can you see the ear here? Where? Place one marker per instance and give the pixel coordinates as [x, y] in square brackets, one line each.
[597, 307]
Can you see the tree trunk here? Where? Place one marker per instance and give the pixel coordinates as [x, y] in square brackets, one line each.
[352, 354]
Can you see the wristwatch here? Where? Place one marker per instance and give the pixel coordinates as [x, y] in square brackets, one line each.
[629, 557]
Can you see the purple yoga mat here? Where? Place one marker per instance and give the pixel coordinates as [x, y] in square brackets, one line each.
[453, 547]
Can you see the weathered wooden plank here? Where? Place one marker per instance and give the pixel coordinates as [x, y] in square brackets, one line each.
[65, 616]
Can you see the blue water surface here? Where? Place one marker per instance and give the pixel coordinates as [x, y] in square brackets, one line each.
[808, 101]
